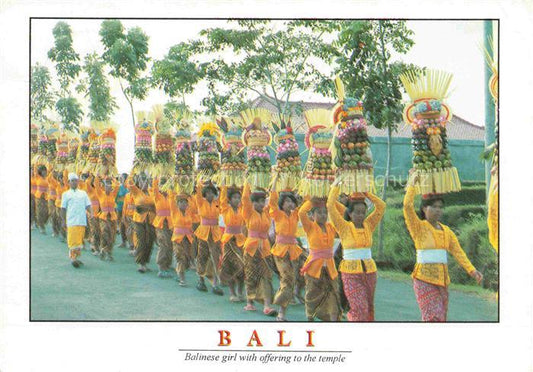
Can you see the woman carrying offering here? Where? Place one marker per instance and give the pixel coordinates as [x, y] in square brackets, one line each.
[94, 228]
[209, 235]
[232, 262]
[257, 274]
[286, 250]
[143, 230]
[433, 240]
[358, 269]
[107, 216]
[182, 236]
[321, 283]
[163, 229]
[41, 203]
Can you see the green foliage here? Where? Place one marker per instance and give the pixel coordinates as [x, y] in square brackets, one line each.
[102, 103]
[127, 55]
[176, 73]
[365, 66]
[272, 60]
[70, 112]
[42, 98]
[64, 56]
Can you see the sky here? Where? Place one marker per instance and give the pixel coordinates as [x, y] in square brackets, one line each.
[453, 46]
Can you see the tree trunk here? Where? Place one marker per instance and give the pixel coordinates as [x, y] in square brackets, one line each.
[384, 192]
[130, 102]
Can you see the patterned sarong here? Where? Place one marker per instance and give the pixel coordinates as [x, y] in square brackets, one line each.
[257, 277]
[359, 290]
[432, 301]
[322, 296]
[287, 280]
[42, 213]
[143, 240]
[164, 252]
[108, 230]
[232, 264]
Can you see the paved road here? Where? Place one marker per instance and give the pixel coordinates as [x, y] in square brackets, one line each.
[116, 291]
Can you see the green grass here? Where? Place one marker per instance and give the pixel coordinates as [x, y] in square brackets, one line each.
[116, 291]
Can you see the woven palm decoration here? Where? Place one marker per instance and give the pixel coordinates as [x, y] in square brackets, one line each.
[184, 151]
[83, 151]
[257, 138]
[61, 160]
[163, 145]
[233, 167]
[288, 163]
[318, 173]
[108, 154]
[143, 144]
[351, 148]
[428, 116]
[208, 147]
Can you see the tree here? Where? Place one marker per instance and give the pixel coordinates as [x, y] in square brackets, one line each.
[102, 103]
[67, 68]
[177, 74]
[270, 59]
[42, 97]
[127, 55]
[364, 63]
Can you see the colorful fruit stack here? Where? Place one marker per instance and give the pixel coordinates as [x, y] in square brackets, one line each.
[42, 147]
[107, 159]
[208, 150]
[184, 153]
[351, 148]
[61, 153]
[83, 151]
[318, 173]
[257, 138]
[164, 145]
[34, 140]
[288, 163]
[143, 144]
[73, 146]
[52, 133]
[428, 117]
[233, 167]
[93, 155]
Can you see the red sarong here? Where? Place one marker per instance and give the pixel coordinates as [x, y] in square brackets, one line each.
[432, 301]
[359, 290]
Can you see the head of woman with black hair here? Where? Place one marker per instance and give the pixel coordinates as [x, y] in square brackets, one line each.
[431, 208]
[344, 199]
[42, 171]
[258, 199]
[234, 196]
[319, 212]
[209, 192]
[356, 211]
[122, 178]
[183, 203]
[287, 202]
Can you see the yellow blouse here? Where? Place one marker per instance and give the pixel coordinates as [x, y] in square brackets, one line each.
[231, 218]
[319, 240]
[255, 223]
[286, 226]
[425, 236]
[207, 211]
[353, 237]
[181, 221]
[162, 207]
[107, 202]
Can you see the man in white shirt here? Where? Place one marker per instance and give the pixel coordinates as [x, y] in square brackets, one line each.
[74, 205]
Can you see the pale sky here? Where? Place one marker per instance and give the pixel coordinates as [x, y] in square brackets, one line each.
[454, 46]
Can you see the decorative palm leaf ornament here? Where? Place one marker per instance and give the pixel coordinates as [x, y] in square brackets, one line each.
[143, 143]
[208, 145]
[184, 151]
[428, 116]
[164, 160]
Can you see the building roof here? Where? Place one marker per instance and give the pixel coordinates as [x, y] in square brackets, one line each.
[458, 128]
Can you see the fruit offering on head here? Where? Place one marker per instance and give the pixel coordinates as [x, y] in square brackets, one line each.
[208, 149]
[318, 172]
[233, 156]
[256, 137]
[288, 163]
[428, 117]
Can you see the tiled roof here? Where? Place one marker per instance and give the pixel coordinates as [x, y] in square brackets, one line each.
[458, 128]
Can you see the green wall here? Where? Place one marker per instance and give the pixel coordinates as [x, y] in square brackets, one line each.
[465, 156]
